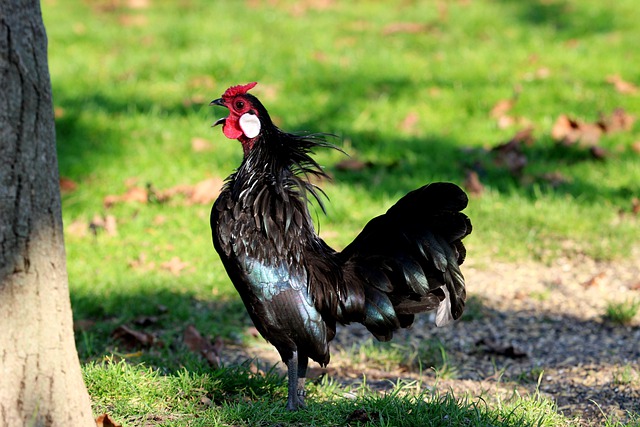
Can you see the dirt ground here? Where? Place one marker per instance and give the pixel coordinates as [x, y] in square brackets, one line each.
[527, 327]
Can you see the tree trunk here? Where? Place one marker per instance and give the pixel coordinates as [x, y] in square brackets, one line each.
[40, 378]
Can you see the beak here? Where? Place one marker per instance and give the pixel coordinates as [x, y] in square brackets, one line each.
[219, 102]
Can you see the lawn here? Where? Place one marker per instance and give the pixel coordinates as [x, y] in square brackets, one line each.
[415, 92]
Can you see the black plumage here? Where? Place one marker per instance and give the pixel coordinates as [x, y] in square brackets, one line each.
[294, 286]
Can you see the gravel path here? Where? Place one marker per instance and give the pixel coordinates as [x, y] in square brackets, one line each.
[524, 324]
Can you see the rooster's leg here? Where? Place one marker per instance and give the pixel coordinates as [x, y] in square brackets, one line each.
[292, 372]
[303, 360]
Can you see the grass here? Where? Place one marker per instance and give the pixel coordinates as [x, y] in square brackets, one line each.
[131, 83]
[622, 313]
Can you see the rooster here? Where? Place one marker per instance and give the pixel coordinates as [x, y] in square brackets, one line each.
[295, 287]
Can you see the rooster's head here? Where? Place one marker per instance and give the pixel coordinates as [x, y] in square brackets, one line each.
[247, 116]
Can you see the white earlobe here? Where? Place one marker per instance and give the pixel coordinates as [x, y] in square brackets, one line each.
[250, 125]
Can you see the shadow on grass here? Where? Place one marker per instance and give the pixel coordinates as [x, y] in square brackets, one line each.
[567, 19]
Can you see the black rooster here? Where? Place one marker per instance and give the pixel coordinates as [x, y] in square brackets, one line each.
[294, 286]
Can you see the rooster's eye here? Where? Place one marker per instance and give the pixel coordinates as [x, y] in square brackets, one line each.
[239, 105]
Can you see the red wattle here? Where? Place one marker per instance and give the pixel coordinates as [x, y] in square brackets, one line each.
[231, 129]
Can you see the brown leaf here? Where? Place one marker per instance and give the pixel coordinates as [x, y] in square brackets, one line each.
[618, 121]
[198, 344]
[594, 281]
[105, 420]
[409, 123]
[636, 146]
[472, 183]
[405, 27]
[569, 131]
[353, 165]
[175, 265]
[362, 416]
[145, 320]
[622, 86]
[502, 107]
[206, 192]
[200, 144]
[510, 154]
[598, 152]
[133, 194]
[67, 185]
[491, 347]
[141, 263]
[131, 338]
[78, 228]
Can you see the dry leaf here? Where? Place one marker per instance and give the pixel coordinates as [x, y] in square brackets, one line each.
[200, 144]
[133, 194]
[472, 183]
[502, 107]
[67, 185]
[353, 165]
[175, 265]
[405, 27]
[206, 192]
[622, 86]
[618, 121]
[141, 263]
[362, 416]
[569, 131]
[594, 281]
[198, 344]
[105, 420]
[409, 123]
[77, 228]
[131, 338]
[510, 154]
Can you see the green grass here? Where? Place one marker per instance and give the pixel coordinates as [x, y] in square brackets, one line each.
[132, 81]
[622, 313]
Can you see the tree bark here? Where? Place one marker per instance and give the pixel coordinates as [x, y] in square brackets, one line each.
[40, 378]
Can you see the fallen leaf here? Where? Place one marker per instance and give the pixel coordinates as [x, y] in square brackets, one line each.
[84, 324]
[594, 281]
[569, 131]
[200, 144]
[405, 27]
[353, 165]
[472, 183]
[598, 152]
[105, 420]
[555, 179]
[202, 82]
[67, 185]
[145, 320]
[195, 342]
[409, 123]
[206, 192]
[618, 121]
[77, 228]
[362, 416]
[491, 347]
[133, 194]
[131, 338]
[621, 85]
[510, 154]
[502, 107]
[141, 263]
[175, 265]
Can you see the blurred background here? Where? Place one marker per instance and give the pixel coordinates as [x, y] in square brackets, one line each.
[531, 105]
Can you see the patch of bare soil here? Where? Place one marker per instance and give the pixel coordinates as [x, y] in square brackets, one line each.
[528, 327]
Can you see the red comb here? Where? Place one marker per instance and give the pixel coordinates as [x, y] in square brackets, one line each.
[238, 90]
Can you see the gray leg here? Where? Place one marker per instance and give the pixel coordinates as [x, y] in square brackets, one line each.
[292, 373]
[302, 376]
